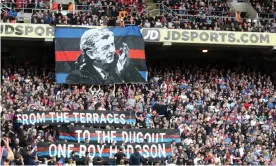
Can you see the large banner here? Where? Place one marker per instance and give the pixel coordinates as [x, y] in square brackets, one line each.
[208, 37]
[27, 30]
[97, 118]
[118, 135]
[65, 149]
[100, 56]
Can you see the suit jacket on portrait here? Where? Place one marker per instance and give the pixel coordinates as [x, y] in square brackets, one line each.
[85, 73]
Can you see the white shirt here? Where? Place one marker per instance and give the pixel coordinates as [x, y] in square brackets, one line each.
[20, 16]
[241, 150]
[217, 161]
[101, 72]
[158, 24]
[132, 102]
[188, 141]
[196, 160]
[147, 25]
[253, 122]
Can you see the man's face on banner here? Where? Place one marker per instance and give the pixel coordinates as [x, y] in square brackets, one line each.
[103, 51]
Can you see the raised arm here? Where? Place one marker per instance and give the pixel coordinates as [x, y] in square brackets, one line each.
[10, 155]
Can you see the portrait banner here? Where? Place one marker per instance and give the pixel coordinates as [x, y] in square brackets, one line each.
[80, 135]
[100, 56]
[106, 151]
[89, 117]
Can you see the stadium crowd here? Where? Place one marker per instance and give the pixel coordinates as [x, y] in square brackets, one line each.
[183, 15]
[214, 8]
[266, 8]
[225, 116]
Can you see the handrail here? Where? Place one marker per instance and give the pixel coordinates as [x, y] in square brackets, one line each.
[181, 12]
[89, 6]
[63, 12]
[23, 8]
[238, 0]
[25, 3]
[267, 15]
[186, 17]
[168, 10]
[202, 16]
[161, 8]
[4, 5]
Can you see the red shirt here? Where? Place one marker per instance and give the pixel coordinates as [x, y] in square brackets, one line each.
[54, 6]
[209, 158]
[12, 77]
[246, 105]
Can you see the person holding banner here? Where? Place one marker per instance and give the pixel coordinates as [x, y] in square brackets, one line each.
[88, 160]
[120, 155]
[70, 162]
[136, 158]
[99, 63]
[53, 161]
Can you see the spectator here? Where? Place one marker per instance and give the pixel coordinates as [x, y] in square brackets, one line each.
[89, 161]
[54, 6]
[136, 158]
[71, 162]
[12, 14]
[99, 161]
[18, 159]
[122, 163]
[120, 155]
[6, 153]
[53, 161]
[70, 7]
[20, 17]
[34, 160]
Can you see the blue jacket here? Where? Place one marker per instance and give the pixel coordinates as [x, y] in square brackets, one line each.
[135, 159]
[13, 13]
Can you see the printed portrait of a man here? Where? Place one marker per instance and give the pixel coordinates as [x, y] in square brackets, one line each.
[99, 63]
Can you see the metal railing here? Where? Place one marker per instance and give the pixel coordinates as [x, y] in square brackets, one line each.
[238, 0]
[181, 12]
[203, 17]
[86, 8]
[63, 12]
[3, 7]
[158, 8]
[267, 15]
[24, 6]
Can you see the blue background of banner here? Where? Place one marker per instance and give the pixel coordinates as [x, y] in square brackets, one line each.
[63, 32]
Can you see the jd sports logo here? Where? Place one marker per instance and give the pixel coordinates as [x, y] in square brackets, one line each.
[151, 34]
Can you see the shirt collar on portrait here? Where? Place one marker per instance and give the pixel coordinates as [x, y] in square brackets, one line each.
[102, 72]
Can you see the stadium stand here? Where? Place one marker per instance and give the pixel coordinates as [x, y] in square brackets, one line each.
[225, 111]
[215, 90]
[266, 8]
[204, 15]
